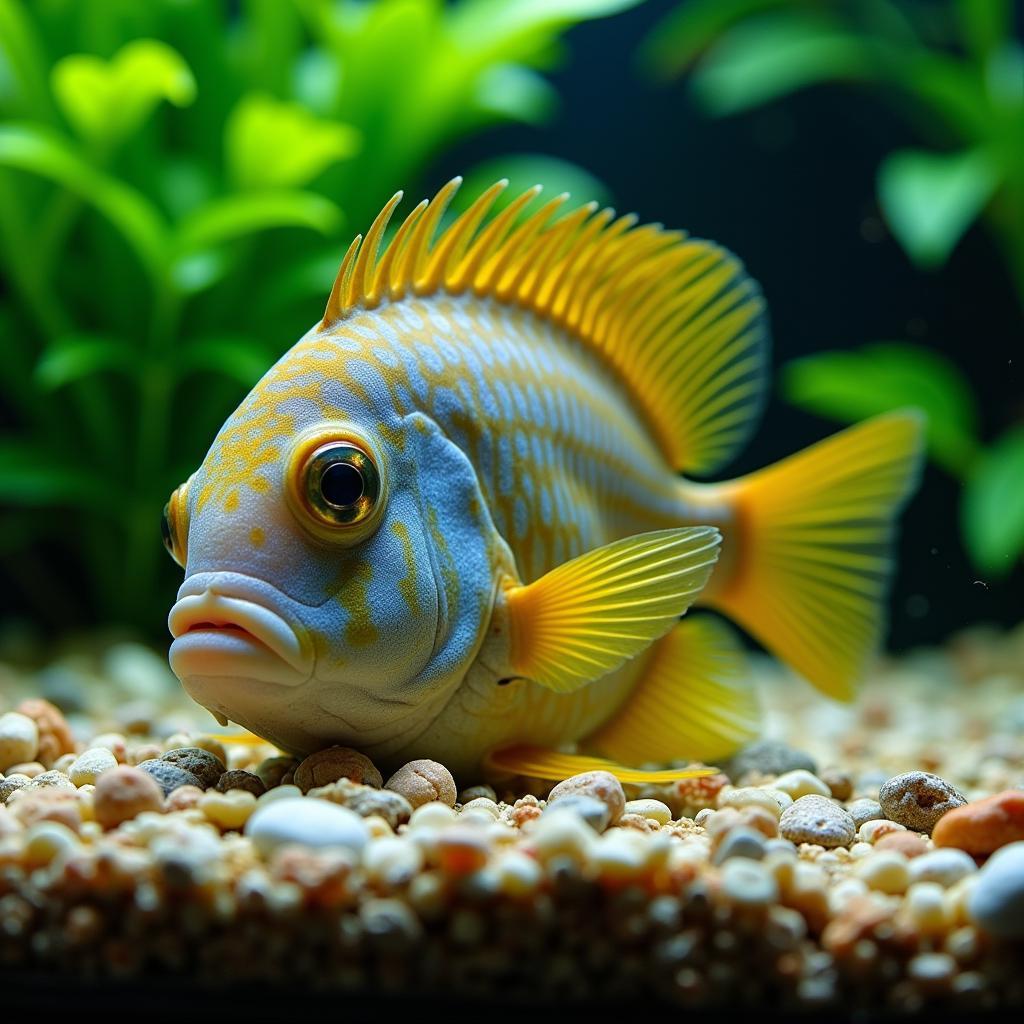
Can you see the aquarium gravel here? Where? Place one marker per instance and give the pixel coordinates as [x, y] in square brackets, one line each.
[813, 870]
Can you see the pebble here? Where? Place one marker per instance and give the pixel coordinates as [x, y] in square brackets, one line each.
[55, 736]
[228, 810]
[910, 844]
[19, 739]
[123, 793]
[422, 782]
[28, 768]
[748, 883]
[944, 866]
[873, 830]
[918, 799]
[769, 757]
[863, 810]
[600, 785]
[839, 783]
[314, 823]
[818, 820]
[51, 780]
[90, 764]
[996, 901]
[205, 766]
[740, 842]
[751, 796]
[11, 784]
[654, 809]
[801, 782]
[366, 801]
[475, 792]
[272, 770]
[562, 835]
[334, 763]
[168, 775]
[983, 826]
[883, 871]
[239, 779]
[593, 811]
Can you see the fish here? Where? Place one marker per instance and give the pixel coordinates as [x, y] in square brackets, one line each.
[463, 518]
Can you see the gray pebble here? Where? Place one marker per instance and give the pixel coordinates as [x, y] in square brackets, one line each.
[918, 800]
[863, 810]
[740, 842]
[770, 757]
[169, 777]
[206, 767]
[11, 783]
[593, 811]
[239, 779]
[818, 820]
[996, 903]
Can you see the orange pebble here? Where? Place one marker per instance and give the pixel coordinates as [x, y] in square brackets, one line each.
[55, 737]
[985, 825]
[910, 844]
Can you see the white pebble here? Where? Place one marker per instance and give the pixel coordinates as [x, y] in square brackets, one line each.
[747, 883]
[655, 809]
[19, 739]
[278, 793]
[751, 796]
[557, 834]
[925, 902]
[392, 860]
[873, 830]
[800, 782]
[884, 871]
[314, 823]
[90, 764]
[432, 815]
[944, 866]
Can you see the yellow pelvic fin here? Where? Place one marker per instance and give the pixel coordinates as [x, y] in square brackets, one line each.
[813, 559]
[589, 615]
[554, 766]
[676, 318]
[695, 700]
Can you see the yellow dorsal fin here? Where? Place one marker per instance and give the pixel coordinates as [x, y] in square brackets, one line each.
[675, 317]
[695, 701]
[554, 766]
[587, 616]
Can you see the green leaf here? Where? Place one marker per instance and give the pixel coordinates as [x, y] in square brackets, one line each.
[22, 64]
[106, 101]
[81, 355]
[515, 92]
[851, 386]
[993, 506]
[237, 358]
[237, 216]
[271, 144]
[42, 152]
[769, 57]
[524, 170]
[930, 199]
[33, 477]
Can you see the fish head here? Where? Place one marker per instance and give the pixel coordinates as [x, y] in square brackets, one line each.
[339, 567]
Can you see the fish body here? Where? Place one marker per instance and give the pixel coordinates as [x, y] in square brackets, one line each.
[513, 402]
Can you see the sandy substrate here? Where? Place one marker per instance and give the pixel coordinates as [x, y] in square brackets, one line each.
[865, 857]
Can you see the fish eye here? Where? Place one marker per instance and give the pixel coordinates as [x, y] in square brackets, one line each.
[169, 529]
[341, 485]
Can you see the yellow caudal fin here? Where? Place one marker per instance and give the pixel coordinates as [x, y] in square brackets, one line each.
[588, 616]
[695, 701]
[554, 766]
[812, 559]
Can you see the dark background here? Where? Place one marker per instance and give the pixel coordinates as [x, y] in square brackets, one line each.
[790, 189]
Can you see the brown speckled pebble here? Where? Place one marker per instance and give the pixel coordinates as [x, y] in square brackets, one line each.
[206, 767]
[818, 820]
[327, 766]
[918, 800]
[124, 792]
[239, 779]
[423, 781]
[168, 776]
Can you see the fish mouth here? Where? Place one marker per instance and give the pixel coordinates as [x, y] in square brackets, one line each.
[219, 634]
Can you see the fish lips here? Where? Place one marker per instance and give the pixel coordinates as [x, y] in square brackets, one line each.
[228, 625]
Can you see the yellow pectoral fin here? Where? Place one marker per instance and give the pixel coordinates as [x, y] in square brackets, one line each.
[554, 766]
[696, 700]
[586, 617]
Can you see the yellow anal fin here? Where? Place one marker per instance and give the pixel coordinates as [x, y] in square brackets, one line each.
[586, 617]
[814, 540]
[695, 700]
[245, 738]
[554, 766]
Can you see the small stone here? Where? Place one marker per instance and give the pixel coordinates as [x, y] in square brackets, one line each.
[945, 867]
[19, 740]
[366, 801]
[212, 745]
[840, 783]
[983, 826]
[206, 767]
[461, 850]
[873, 830]
[996, 901]
[272, 770]
[910, 844]
[751, 796]
[593, 811]
[818, 820]
[740, 842]
[55, 736]
[327, 766]
[475, 792]
[482, 804]
[863, 810]
[424, 781]
[28, 768]
[123, 793]
[313, 823]
[51, 780]
[90, 765]
[801, 782]
[11, 784]
[228, 810]
[169, 776]
[747, 883]
[601, 785]
[768, 757]
[918, 800]
[654, 809]
[239, 779]
[48, 805]
[886, 872]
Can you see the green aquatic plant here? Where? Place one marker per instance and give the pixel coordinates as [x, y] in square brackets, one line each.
[878, 378]
[175, 180]
[955, 69]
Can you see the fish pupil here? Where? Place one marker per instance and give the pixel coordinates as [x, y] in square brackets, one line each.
[341, 485]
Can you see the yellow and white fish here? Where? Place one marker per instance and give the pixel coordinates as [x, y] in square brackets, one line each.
[449, 522]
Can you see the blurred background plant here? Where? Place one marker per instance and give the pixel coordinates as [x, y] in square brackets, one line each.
[955, 71]
[177, 181]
